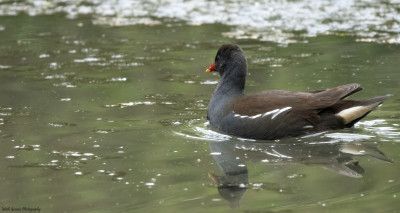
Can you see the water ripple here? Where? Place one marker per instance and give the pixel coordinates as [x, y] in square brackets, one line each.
[270, 20]
[194, 129]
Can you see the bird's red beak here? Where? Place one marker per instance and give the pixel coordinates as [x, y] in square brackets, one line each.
[211, 68]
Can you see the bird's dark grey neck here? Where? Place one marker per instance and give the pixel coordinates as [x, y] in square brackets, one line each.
[230, 86]
[233, 80]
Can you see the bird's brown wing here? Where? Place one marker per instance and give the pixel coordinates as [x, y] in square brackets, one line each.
[300, 102]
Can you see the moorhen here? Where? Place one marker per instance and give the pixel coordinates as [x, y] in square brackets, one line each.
[276, 114]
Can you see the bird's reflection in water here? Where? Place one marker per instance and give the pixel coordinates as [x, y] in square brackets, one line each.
[232, 155]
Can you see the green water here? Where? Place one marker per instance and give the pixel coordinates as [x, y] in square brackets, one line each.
[113, 119]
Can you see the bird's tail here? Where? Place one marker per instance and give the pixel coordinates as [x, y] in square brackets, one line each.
[353, 111]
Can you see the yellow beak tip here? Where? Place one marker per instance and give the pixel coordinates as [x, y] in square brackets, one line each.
[208, 70]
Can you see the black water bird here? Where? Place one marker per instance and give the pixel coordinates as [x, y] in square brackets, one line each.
[276, 114]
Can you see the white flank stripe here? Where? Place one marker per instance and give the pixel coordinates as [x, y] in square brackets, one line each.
[280, 111]
[255, 116]
[270, 112]
[240, 116]
[308, 127]
[274, 113]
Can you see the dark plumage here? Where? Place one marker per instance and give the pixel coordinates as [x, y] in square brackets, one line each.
[275, 114]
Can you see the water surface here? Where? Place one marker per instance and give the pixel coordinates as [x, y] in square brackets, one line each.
[101, 118]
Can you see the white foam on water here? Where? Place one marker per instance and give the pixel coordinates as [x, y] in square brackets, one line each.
[348, 137]
[270, 20]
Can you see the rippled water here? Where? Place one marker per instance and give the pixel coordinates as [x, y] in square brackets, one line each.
[96, 117]
[268, 20]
